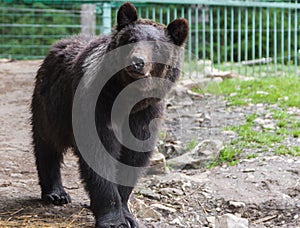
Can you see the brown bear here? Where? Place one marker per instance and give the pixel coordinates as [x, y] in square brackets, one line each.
[71, 60]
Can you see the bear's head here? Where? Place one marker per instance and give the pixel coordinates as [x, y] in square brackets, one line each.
[153, 46]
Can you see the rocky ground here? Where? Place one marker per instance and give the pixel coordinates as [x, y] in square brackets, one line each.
[258, 192]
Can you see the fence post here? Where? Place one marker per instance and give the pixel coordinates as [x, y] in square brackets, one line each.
[88, 19]
[106, 17]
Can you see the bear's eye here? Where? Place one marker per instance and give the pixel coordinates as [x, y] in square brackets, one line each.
[132, 40]
[156, 47]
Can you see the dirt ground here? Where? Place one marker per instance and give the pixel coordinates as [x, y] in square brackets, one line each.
[265, 189]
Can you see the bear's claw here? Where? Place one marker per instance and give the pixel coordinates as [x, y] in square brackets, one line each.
[57, 198]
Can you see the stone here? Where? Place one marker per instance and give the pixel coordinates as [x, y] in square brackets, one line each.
[231, 221]
[16, 175]
[163, 207]
[213, 73]
[204, 152]
[176, 221]
[149, 193]
[248, 170]
[217, 79]
[171, 191]
[211, 220]
[237, 204]
[265, 123]
[145, 212]
[194, 95]
[173, 147]
[158, 164]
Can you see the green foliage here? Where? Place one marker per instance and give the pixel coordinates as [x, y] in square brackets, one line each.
[63, 19]
[252, 155]
[263, 36]
[251, 138]
[251, 135]
[30, 29]
[285, 150]
[191, 144]
[256, 138]
[283, 91]
[229, 155]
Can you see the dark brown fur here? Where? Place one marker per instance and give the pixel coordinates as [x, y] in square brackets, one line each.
[56, 83]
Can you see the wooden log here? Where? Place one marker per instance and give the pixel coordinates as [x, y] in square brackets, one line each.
[257, 61]
[88, 19]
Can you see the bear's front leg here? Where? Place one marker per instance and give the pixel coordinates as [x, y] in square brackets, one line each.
[133, 159]
[98, 172]
[105, 200]
[125, 192]
[138, 160]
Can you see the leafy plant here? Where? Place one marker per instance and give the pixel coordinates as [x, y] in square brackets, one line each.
[282, 91]
[191, 144]
[284, 150]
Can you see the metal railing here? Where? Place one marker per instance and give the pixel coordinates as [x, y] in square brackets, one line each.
[248, 37]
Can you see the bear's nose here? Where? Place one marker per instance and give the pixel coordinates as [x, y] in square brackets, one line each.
[137, 62]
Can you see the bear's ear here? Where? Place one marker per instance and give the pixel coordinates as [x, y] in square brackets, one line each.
[178, 30]
[126, 15]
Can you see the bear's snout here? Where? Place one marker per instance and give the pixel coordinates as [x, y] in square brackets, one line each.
[139, 65]
[138, 62]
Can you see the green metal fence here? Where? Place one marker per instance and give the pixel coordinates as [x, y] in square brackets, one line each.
[248, 37]
[28, 29]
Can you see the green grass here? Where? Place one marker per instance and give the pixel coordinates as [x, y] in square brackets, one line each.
[191, 144]
[251, 138]
[251, 155]
[248, 134]
[282, 91]
[229, 155]
[280, 114]
[284, 150]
